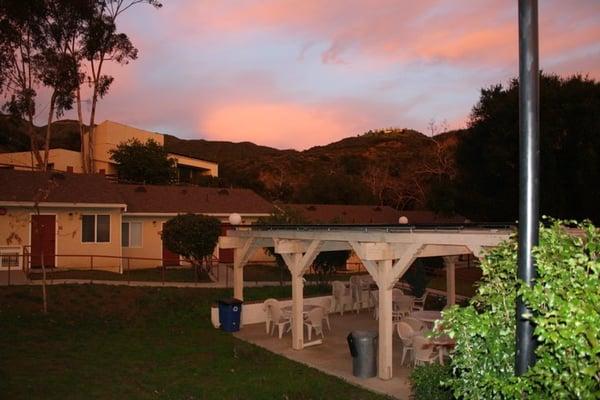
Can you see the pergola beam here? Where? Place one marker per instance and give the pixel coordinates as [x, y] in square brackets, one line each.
[403, 263]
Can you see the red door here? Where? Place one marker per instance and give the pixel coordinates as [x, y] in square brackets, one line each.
[225, 255]
[43, 240]
[169, 259]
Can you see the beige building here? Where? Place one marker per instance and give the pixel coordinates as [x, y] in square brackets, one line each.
[85, 221]
[58, 160]
[107, 136]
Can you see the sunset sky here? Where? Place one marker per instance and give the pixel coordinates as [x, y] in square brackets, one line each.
[299, 73]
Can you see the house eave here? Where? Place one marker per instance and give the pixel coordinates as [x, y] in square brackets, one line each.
[52, 204]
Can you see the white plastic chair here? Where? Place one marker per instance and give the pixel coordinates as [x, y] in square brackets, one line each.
[423, 350]
[314, 321]
[326, 304]
[402, 306]
[366, 282]
[405, 333]
[418, 326]
[279, 319]
[375, 302]
[419, 302]
[267, 309]
[356, 289]
[341, 296]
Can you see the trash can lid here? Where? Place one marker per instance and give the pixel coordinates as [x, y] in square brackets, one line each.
[364, 334]
[230, 301]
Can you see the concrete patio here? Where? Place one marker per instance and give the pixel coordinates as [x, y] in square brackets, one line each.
[333, 357]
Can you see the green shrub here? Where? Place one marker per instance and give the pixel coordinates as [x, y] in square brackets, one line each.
[192, 236]
[565, 306]
[427, 382]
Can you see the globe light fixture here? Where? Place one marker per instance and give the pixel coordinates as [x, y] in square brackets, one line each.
[403, 220]
[235, 219]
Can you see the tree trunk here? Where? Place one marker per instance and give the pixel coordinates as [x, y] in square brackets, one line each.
[33, 143]
[49, 130]
[81, 131]
[44, 296]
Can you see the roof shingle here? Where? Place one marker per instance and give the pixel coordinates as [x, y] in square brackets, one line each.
[192, 199]
[56, 187]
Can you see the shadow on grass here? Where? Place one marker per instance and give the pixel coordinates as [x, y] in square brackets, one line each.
[105, 342]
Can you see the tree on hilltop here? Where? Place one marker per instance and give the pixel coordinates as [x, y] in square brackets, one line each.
[147, 163]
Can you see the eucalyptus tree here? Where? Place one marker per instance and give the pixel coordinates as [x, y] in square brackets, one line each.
[21, 42]
[58, 64]
[103, 43]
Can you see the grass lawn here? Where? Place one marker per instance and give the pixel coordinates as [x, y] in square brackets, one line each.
[105, 342]
[147, 274]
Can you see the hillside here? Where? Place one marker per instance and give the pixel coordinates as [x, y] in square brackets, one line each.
[13, 137]
[394, 167]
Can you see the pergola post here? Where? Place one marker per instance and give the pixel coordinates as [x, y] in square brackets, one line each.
[298, 257]
[450, 263]
[386, 263]
[386, 326]
[240, 258]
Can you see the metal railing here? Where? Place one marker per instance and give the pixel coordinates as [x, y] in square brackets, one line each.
[124, 267]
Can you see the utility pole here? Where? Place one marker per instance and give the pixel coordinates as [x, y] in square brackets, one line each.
[529, 155]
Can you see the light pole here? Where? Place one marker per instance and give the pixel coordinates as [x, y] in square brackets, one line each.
[529, 154]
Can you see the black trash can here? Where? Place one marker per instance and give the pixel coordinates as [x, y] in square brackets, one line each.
[230, 311]
[363, 348]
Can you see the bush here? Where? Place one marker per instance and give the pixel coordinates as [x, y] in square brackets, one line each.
[564, 307]
[192, 236]
[428, 382]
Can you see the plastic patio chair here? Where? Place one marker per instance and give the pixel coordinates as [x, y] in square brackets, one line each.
[405, 333]
[402, 307]
[356, 290]
[418, 303]
[279, 319]
[418, 326]
[423, 350]
[314, 320]
[326, 304]
[267, 309]
[375, 302]
[341, 296]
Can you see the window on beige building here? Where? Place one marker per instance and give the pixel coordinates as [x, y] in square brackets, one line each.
[131, 234]
[95, 228]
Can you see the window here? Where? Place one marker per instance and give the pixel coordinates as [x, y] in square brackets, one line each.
[95, 228]
[9, 259]
[131, 234]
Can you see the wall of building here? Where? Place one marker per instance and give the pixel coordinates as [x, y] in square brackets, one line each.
[151, 243]
[60, 158]
[108, 135]
[15, 229]
[212, 169]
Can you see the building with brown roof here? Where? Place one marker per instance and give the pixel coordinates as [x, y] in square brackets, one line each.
[78, 220]
[367, 215]
[107, 136]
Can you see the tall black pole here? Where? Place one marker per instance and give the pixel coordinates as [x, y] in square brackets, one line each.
[529, 154]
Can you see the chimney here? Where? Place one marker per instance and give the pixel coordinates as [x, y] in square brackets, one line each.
[69, 169]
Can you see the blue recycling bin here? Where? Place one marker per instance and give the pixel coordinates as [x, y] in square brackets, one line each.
[230, 312]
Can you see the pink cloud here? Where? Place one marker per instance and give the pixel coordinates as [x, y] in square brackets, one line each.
[455, 31]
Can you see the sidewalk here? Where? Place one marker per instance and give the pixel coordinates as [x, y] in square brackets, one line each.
[199, 285]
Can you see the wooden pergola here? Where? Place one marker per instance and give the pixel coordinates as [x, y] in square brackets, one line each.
[386, 253]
